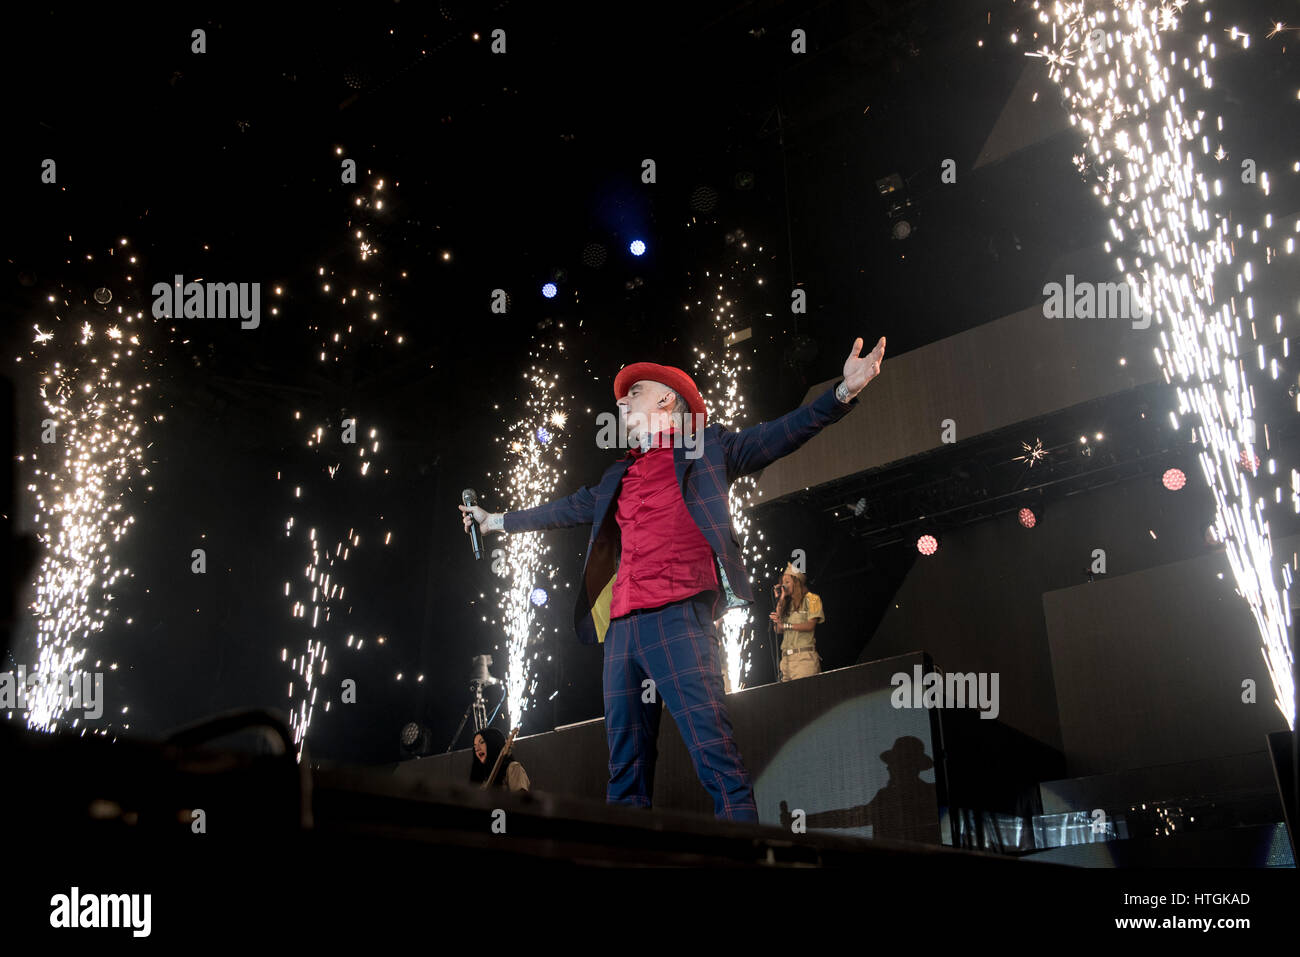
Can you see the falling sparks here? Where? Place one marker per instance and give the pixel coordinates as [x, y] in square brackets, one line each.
[323, 593]
[1124, 96]
[360, 315]
[341, 439]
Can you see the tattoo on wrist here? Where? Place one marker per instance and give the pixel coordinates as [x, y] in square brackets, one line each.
[842, 392]
[496, 522]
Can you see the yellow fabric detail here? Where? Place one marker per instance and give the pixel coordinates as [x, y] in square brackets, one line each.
[600, 610]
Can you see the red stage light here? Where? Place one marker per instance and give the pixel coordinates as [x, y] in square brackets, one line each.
[1174, 479]
[1028, 518]
[927, 544]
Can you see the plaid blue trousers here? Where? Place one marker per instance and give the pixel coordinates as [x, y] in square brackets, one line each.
[676, 647]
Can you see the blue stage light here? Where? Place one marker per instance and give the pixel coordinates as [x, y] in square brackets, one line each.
[636, 248]
[549, 290]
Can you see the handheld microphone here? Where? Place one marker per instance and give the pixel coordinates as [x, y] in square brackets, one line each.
[469, 500]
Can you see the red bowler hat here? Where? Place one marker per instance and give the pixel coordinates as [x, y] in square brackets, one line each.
[675, 379]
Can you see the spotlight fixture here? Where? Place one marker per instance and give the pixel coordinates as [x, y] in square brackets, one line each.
[1173, 479]
[479, 679]
[481, 675]
[898, 206]
[416, 739]
[1027, 517]
[927, 544]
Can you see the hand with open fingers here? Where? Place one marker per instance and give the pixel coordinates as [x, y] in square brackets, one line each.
[860, 369]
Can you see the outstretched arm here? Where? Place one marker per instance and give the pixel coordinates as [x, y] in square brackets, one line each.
[576, 509]
[759, 446]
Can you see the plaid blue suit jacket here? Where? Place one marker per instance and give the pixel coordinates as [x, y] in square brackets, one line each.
[721, 457]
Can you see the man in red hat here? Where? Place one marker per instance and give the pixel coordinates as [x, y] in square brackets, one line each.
[661, 560]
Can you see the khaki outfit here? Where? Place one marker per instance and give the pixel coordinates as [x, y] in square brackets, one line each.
[799, 658]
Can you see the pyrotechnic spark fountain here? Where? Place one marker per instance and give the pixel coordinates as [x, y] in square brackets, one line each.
[89, 454]
[721, 366]
[327, 438]
[533, 451]
[1119, 64]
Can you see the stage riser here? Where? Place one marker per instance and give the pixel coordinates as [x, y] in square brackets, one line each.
[814, 745]
[1241, 847]
[1235, 778]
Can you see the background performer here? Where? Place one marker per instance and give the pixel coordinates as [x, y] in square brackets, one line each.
[487, 747]
[797, 612]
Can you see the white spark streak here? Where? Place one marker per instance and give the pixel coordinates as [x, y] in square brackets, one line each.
[530, 478]
[722, 365]
[1124, 95]
[90, 452]
[325, 563]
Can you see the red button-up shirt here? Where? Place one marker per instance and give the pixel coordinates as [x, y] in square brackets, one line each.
[665, 557]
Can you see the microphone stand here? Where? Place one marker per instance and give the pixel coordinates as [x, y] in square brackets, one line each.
[776, 643]
[480, 679]
[477, 707]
